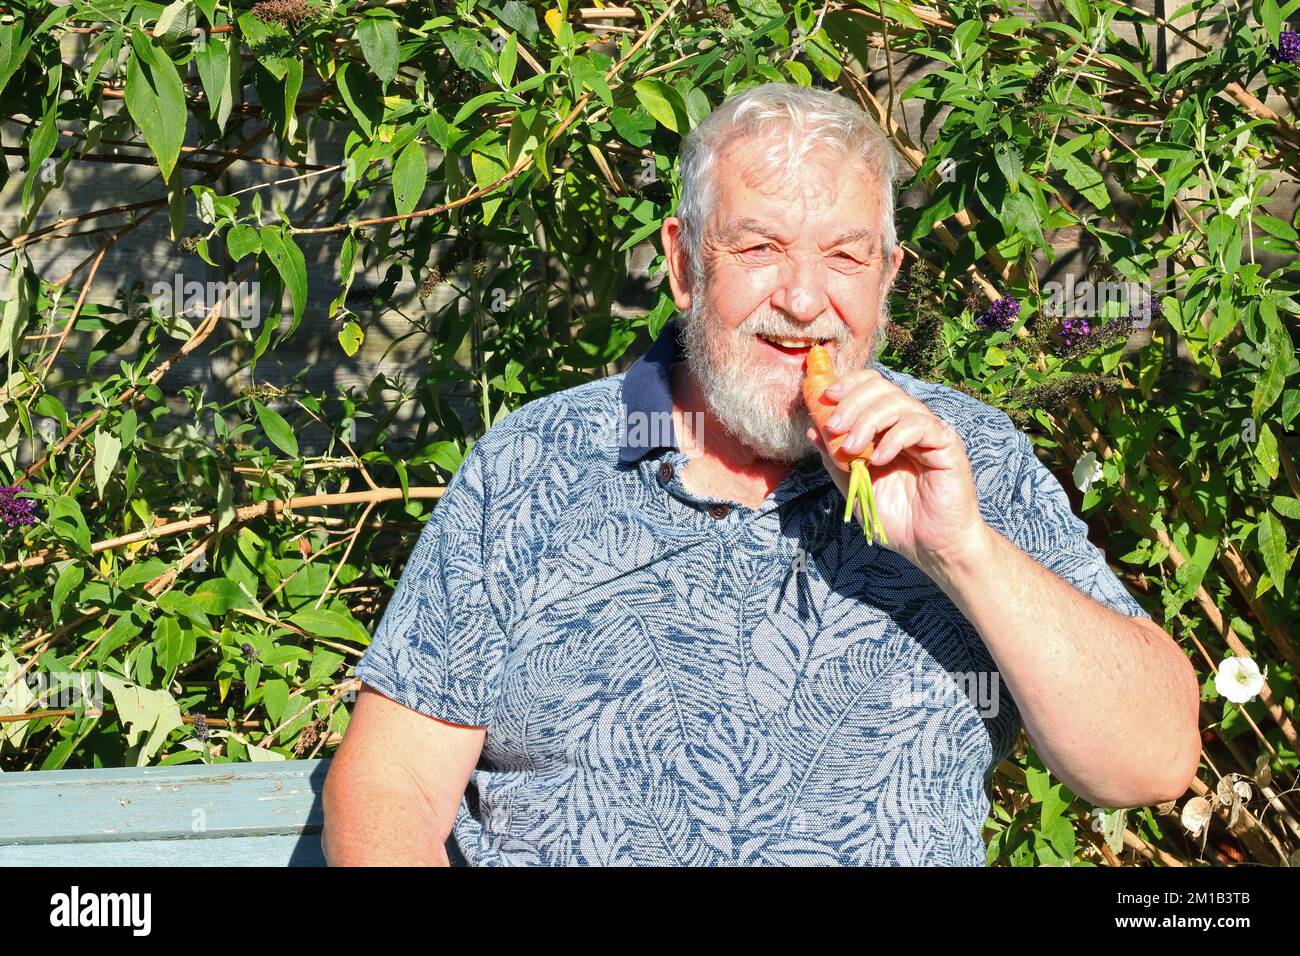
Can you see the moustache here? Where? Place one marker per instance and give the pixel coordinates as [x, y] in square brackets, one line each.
[779, 327]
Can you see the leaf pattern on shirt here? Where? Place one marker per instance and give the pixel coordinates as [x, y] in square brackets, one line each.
[660, 687]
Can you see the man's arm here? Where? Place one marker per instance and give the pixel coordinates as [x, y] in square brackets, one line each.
[1110, 701]
[395, 785]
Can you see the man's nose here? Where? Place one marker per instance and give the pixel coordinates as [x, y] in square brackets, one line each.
[801, 289]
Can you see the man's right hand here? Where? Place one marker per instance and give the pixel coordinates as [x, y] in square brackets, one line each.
[395, 785]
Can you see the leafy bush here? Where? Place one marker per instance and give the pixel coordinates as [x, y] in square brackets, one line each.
[219, 559]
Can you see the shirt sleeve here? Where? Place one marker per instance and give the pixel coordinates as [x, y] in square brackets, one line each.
[439, 648]
[1042, 524]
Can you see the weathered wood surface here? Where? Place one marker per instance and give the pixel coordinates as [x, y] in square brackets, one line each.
[263, 814]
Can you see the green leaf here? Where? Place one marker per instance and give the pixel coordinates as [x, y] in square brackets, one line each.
[823, 56]
[506, 61]
[1021, 216]
[466, 48]
[1009, 161]
[289, 262]
[176, 21]
[591, 77]
[155, 99]
[798, 72]
[1287, 507]
[487, 171]
[13, 49]
[527, 131]
[360, 96]
[350, 337]
[377, 35]
[1085, 177]
[277, 429]
[1277, 355]
[18, 308]
[71, 574]
[1270, 18]
[39, 148]
[1271, 535]
[1266, 451]
[410, 173]
[218, 595]
[144, 712]
[68, 523]
[107, 448]
[275, 696]
[519, 16]
[241, 240]
[258, 754]
[662, 102]
[321, 622]
[170, 646]
[1276, 227]
[965, 34]
[140, 572]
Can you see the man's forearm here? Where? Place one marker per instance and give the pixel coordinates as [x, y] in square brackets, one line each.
[370, 823]
[1110, 701]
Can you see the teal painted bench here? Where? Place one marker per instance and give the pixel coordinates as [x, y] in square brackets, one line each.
[255, 814]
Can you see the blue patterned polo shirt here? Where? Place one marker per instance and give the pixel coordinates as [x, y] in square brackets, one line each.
[672, 679]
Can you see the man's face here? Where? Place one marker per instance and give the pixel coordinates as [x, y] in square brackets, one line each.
[788, 262]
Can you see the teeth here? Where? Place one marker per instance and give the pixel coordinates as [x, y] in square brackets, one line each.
[791, 343]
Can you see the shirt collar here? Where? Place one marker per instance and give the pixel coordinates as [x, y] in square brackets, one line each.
[648, 390]
[648, 396]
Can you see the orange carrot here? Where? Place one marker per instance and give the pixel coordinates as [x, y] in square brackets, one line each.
[818, 376]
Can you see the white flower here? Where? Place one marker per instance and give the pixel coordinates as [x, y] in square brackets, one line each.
[1196, 815]
[1238, 679]
[1087, 470]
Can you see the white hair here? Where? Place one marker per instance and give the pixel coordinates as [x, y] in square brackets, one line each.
[782, 123]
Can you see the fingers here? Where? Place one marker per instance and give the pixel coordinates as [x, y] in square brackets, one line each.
[925, 438]
[866, 393]
[847, 383]
[870, 410]
[873, 410]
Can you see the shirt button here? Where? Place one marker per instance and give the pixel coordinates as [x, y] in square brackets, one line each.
[666, 471]
[718, 511]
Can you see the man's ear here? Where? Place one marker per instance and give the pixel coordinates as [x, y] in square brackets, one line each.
[679, 273]
[895, 261]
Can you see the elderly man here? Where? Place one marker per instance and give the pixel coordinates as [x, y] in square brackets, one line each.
[669, 648]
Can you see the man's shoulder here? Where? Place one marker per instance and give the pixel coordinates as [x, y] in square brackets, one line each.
[1000, 455]
[977, 422]
[576, 424]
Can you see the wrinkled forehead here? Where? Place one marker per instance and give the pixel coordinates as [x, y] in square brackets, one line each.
[752, 176]
[809, 205]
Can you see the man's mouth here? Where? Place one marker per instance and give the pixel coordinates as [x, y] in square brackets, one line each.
[797, 345]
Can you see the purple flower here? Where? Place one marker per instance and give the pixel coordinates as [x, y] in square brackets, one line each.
[16, 512]
[1287, 49]
[1150, 312]
[1074, 332]
[1001, 315]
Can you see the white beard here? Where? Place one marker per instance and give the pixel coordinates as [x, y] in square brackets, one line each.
[763, 407]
